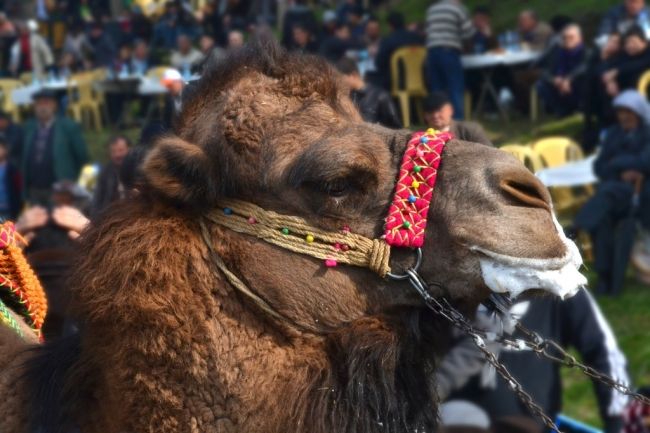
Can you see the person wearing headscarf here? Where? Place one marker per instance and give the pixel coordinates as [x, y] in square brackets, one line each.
[622, 166]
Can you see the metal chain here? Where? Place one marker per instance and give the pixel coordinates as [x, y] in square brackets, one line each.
[541, 346]
[459, 320]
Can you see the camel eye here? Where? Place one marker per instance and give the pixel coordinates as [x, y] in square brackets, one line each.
[337, 187]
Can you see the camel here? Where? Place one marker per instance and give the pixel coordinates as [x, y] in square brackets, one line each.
[168, 343]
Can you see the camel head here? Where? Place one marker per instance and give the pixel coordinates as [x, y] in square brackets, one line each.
[278, 130]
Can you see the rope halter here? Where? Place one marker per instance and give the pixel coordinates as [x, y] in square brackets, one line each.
[405, 223]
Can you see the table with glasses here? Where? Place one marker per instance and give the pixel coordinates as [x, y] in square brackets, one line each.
[487, 63]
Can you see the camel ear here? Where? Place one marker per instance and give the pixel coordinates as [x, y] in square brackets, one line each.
[181, 172]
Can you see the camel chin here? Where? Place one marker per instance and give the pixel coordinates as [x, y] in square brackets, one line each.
[514, 275]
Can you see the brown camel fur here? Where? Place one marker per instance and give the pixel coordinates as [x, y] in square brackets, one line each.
[168, 345]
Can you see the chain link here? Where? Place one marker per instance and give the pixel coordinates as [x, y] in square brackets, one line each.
[533, 341]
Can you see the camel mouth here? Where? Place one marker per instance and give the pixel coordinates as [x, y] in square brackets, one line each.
[514, 275]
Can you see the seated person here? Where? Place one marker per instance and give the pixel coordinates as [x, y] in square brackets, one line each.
[575, 322]
[623, 16]
[631, 65]
[484, 38]
[623, 162]
[374, 103]
[439, 115]
[303, 40]
[560, 85]
[186, 57]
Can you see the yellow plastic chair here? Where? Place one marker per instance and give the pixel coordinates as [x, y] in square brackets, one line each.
[7, 87]
[557, 151]
[526, 155]
[83, 100]
[26, 78]
[644, 82]
[411, 59]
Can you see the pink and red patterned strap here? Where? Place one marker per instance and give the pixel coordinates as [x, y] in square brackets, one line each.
[407, 216]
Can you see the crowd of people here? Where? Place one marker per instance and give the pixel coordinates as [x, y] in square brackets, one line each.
[42, 158]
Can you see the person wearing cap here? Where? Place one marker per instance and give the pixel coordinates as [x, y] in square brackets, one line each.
[439, 115]
[30, 52]
[54, 149]
[374, 103]
[622, 166]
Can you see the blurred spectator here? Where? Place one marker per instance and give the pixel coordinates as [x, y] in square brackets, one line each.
[141, 26]
[561, 83]
[576, 322]
[10, 185]
[122, 63]
[7, 38]
[102, 47]
[329, 24]
[173, 23]
[484, 39]
[66, 66]
[397, 38]
[622, 17]
[12, 134]
[334, 47]
[211, 52]
[109, 187]
[448, 25]
[621, 166]
[637, 414]
[235, 39]
[343, 10]
[372, 38]
[534, 33]
[30, 53]
[54, 149]
[374, 103]
[439, 115]
[173, 82]
[76, 42]
[140, 59]
[303, 40]
[298, 14]
[355, 22]
[632, 64]
[596, 103]
[185, 57]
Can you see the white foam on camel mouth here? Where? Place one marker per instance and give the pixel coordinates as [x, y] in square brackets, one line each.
[514, 275]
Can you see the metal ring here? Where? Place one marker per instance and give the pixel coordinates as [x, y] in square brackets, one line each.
[405, 276]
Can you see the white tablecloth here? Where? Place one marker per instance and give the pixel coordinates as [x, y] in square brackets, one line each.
[488, 60]
[572, 174]
[23, 95]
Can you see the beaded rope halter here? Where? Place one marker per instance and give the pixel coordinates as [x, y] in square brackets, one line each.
[404, 226]
[20, 290]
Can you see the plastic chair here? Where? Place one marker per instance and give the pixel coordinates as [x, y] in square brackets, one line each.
[557, 151]
[26, 78]
[7, 86]
[644, 82]
[526, 155]
[412, 60]
[83, 99]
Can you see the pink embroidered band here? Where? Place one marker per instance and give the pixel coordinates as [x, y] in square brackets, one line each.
[407, 216]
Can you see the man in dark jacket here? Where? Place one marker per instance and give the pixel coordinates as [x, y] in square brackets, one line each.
[54, 149]
[439, 115]
[621, 166]
[631, 65]
[576, 322]
[375, 104]
[398, 37]
[561, 83]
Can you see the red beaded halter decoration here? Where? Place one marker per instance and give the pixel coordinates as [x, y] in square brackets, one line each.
[407, 216]
[404, 226]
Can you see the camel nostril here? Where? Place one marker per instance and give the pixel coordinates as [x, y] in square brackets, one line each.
[526, 192]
